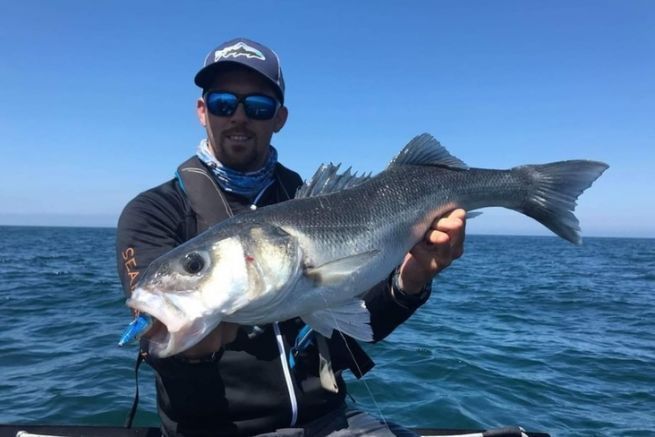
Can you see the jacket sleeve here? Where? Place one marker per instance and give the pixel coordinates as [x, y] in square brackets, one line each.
[387, 310]
[150, 225]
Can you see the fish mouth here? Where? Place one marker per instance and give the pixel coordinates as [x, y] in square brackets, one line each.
[164, 343]
[173, 330]
[159, 306]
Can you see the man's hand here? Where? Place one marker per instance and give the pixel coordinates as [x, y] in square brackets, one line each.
[443, 243]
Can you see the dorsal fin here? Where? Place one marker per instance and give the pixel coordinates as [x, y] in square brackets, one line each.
[425, 150]
[326, 181]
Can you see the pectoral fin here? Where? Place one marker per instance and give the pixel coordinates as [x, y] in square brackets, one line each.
[351, 318]
[334, 272]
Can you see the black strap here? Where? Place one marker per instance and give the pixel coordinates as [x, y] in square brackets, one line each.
[206, 198]
[135, 403]
[203, 193]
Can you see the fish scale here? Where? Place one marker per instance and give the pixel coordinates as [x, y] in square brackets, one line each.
[390, 195]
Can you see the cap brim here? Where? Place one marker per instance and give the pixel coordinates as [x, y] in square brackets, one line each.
[205, 76]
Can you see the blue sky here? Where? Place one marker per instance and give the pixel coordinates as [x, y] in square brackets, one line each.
[97, 98]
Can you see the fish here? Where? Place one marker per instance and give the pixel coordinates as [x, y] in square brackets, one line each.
[314, 256]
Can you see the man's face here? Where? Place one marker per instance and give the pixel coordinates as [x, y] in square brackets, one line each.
[239, 142]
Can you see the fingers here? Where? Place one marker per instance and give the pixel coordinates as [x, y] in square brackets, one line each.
[448, 230]
[433, 254]
[443, 242]
[453, 225]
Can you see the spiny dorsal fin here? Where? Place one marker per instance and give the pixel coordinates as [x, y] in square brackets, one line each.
[425, 150]
[326, 181]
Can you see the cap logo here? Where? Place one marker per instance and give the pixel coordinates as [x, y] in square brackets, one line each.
[238, 50]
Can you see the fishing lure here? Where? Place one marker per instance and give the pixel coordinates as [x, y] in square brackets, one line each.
[137, 327]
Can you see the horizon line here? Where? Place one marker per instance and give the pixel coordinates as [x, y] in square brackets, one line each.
[482, 234]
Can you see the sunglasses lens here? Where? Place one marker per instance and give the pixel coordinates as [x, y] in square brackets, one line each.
[257, 107]
[221, 104]
[260, 107]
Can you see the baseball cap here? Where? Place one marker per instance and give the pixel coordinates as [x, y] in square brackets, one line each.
[244, 52]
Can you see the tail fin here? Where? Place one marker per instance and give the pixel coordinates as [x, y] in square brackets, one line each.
[556, 188]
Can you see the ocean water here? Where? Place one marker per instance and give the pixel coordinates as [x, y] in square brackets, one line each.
[529, 331]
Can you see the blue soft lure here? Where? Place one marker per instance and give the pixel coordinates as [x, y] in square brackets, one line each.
[137, 327]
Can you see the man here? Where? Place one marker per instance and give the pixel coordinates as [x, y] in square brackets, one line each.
[239, 380]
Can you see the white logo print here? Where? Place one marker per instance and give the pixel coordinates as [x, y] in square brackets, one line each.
[239, 49]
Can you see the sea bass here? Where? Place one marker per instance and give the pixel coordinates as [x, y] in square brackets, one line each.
[314, 256]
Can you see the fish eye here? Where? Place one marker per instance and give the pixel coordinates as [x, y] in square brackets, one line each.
[193, 263]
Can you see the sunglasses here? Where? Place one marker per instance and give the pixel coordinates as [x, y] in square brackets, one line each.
[256, 106]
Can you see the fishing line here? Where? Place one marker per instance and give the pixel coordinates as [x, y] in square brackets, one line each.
[368, 389]
[362, 379]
